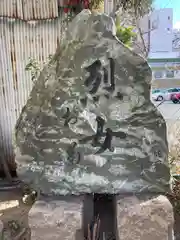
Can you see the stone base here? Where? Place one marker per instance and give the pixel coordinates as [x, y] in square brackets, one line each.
[47, 219]
[57, 219]
[141, 218]
[144, 218]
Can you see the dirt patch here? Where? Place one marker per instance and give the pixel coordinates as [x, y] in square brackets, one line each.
[14, 216]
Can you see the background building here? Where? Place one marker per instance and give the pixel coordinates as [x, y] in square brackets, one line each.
[163, 43]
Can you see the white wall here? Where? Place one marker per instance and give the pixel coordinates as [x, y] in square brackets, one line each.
[162, 35]
[161, 30]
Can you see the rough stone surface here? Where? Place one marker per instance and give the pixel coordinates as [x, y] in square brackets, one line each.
[145, 218]
[56, 219]
[47, 219]
[88, 125]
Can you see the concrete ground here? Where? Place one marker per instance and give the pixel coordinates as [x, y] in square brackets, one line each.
[171, 113]
[169, 110]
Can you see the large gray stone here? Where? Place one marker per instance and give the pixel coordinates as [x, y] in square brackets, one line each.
[93, 79]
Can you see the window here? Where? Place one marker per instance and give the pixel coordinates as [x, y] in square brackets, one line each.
[158, 74]
[173, 90]
[169, 74]
[154, 24]
[156, 91]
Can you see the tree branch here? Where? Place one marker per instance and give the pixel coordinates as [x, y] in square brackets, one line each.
[152, 29]
[146, 51]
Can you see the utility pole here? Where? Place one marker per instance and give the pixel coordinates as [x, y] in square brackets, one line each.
[108, 6]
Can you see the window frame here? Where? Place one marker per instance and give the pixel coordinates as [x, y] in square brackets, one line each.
[168, 72]
[158, 77]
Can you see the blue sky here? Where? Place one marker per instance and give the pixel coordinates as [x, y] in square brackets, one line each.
[175, 4]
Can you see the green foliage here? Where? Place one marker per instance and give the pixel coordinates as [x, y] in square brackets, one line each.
[125, 34]
[34, 67]
[95, 4]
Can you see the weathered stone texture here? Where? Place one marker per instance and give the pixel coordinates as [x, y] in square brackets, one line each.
[56, 219]
[89, 125]
[145, 218]
[46, 219]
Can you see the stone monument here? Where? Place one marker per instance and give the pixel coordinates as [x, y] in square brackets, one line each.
[90, 128]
